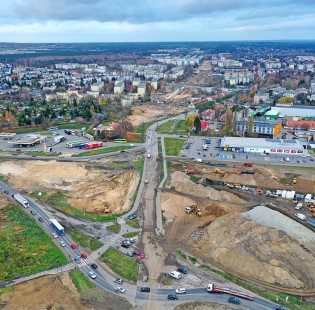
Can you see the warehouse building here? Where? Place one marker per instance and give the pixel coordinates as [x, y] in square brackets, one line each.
[262, 145]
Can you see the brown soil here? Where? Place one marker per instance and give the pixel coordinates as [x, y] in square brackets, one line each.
[58, 292]
[197, 305]
[86, 188]
[152, 112]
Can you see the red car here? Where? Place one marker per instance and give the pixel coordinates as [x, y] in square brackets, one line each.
[142, 255]
[73, 246]
[83, 255]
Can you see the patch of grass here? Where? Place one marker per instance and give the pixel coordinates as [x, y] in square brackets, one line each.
[143, 127]
[173, 146]
[166, 127]
[118, 165]
[130, 234]
[133, 223]
[194, 178]
[25, 248]
[139, 163]
[103, 150]
[288, 180]
[80, 281]
[192, 259]
[114, 228]
[7, 289]
[181, 128]
[59, 201]
[293, 303]
[181, 254]
[84, 240]
[73, 126]
[122, 265]
[166, 281]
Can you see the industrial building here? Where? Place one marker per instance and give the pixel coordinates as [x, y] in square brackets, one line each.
[29, 140]
[262, 145]
[272, 114]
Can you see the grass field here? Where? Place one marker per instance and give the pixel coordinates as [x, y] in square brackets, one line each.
[59, 201]
[80, 281]
[174, 127]
[103, 150]
[84, 240]
[118, 165]
[114, 228]
[173, 146]
[130, 234]
[25, 247]
[133, 223]
[122, 265]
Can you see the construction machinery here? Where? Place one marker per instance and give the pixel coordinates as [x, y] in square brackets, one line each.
[294, 181]
[259, 191]
[219, 171]
[247, 164]
[295, 201]
[193, 209]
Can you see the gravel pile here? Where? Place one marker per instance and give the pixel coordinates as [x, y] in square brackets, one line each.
[277, 220]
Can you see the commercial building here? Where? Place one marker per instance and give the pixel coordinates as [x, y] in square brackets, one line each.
[261, 97]
[119, 87]
[262, 145]
[269, 128]
[272, 114]
[97, 86]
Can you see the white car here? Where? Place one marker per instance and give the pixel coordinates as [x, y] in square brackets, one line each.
[55, 235]
[62, 243]
[298, 206]
[120, 289]
[92, 275]
[180, 291]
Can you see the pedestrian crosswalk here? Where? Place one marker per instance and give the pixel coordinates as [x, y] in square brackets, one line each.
[83, 262]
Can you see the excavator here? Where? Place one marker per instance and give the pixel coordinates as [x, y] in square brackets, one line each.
[219, 171]
[193, 209]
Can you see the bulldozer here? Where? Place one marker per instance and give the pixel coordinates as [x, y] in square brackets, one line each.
[193, 209]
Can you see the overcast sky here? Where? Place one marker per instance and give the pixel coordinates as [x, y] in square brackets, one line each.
[155, 20]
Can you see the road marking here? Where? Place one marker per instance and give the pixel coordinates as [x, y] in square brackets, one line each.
[84, 262]
[194, 278]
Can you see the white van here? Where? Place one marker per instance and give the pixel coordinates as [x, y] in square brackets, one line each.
[175, 274]
[149, 155]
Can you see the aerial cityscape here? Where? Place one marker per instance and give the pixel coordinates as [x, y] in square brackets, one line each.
[157, 155]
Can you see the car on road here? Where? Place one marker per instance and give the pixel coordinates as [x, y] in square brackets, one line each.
[122, 151]
[145, 289]
[55, 235]
[234, 300]
[130, 254]
[83, 255]
[62, 243]
[33, 155]
[281, 308]
[120, 289]
[41, 219]
[146, 181]
[142, 255]
[311, 159]
[182, 270]
[92, 275]
[77, 260]
[33, 212]
[172, 297]
[180, 290]
[73, 246]
[94, 266]
[119, 281]
[6, 191]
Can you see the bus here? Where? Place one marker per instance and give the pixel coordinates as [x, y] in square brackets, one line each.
[72, 144]
[120, 141]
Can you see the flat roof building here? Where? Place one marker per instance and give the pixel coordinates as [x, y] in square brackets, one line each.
[262, 145]
[272, 114]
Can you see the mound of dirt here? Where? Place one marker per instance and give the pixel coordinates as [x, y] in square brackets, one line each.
[86, 188]
[181, 182]
[257, 251]
[198, 305]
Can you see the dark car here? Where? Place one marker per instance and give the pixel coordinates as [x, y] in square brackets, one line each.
[6, 191]
[172, 297]
[125, 245]
[33, 212]
[94, 266]
[182, 270]
[233, 300]
[122, 151]
[281, 308]
[41, 219]
[136, 253]
[145, 289]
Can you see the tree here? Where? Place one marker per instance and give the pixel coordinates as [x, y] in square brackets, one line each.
[228, 124]
[190, 120]
[197, 124]
[251, 126]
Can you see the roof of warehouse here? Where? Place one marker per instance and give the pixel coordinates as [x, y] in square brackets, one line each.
[261, 143]
[272, 112]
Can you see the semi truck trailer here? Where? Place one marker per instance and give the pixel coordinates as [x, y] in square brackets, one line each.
[56, 226]
[224, 290]
[20, 199]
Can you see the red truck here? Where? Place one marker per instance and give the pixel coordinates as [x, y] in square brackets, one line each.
[248, 164]
[190, 171]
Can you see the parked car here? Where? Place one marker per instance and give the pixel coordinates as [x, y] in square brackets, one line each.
[92, 274]
[125, 245]
[41, 219]
[130, 254]
[136, 253]
[142, 255]
[120, 289]
[94, 266]
[83, 255]
[119, 281]
[172, 297]
[182, 270]
[298, 206]
[145, 289]
[234, 300]
[180, 291]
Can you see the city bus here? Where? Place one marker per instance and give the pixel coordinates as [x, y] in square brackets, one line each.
[120, 140]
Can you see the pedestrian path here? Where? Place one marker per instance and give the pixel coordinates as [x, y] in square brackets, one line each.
[83, 262]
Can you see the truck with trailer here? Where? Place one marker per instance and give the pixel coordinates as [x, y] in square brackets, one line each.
[56, 226]
[225, 290]
[20, 199]
[310, 222]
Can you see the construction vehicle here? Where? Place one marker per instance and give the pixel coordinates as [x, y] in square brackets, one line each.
[295, 201]
[247, 164]
[106, 209]
[294, 181]
[259, 191]
[193, 209]
[190, 171]
[219, 171]
[311, 209]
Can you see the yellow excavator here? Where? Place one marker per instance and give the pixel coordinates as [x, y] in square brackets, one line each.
[194, 209]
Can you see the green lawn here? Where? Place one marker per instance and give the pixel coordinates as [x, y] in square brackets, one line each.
[7, 289]
[114, 228]
[80, 281]
[122, 265]
[84, 240]
[174, 127]
[166, 127]
[73, 126]
[133, 223]
[173, 146]
[131, 234]
[118, 165]
[59, 201]
[25, 247]
[143, 127]
[103, 150]
[139, 164]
